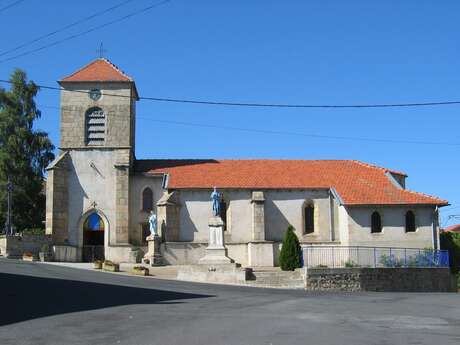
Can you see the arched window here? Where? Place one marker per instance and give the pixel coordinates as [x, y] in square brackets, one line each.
[95, 126]
[147, 200]
[410, 221]
[309, 217]
[93, 231]
[376, 222]
[93, 223]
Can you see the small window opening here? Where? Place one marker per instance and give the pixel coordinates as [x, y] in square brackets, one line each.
[410, 221]
[376, 222]
[147, 200]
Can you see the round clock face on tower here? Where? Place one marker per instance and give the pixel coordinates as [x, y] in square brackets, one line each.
[95, 94]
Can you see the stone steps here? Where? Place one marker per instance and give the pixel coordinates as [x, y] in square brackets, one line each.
[277, 279]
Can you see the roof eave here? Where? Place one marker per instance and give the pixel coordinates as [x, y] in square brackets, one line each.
[133, 84]
[439, 204]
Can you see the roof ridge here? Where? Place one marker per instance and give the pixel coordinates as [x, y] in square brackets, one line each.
[115, 67]
[373, 166]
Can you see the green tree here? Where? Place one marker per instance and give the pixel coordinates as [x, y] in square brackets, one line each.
[451, 241]
[24, 153]
[290, 251]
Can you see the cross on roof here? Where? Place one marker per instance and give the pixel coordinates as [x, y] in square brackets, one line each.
[100, 51]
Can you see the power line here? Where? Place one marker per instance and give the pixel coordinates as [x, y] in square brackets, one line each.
[145, 9]
[97, 14]
[269, 105]
[450, 208]
[11, 5]
[298, 134]
[274, 105]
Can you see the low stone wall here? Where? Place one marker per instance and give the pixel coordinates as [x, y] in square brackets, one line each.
[189, 253]
[381, 279]
[216, 273]
[66, 253]
[15, 246]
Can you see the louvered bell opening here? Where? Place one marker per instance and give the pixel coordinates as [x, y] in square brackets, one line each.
[97, 121]
[95, 127]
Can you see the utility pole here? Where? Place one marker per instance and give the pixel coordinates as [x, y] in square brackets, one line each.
[9, 224]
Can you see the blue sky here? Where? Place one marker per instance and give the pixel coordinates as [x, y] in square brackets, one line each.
[309, 52]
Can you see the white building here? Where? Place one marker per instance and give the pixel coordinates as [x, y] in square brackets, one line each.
[99, 195]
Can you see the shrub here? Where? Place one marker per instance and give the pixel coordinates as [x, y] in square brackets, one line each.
[351, 263]
[45, 248]
[33, 231]
[391, 261]
[451, 241]
[426, 258]
[290, 251]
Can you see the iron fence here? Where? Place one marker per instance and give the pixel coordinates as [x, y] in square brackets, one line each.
[338, 256]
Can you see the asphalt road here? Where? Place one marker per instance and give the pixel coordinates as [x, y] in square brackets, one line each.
[47, 304]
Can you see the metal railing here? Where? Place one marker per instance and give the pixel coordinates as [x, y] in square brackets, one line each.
[338, 256]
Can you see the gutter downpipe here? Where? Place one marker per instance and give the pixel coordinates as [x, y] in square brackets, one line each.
[435, 231]
[331, 216]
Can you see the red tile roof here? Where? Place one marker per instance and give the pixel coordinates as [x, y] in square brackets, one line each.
[356, 182]
[453, 228]
[98, 70]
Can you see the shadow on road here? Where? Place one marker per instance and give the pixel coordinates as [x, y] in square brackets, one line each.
[27, 297]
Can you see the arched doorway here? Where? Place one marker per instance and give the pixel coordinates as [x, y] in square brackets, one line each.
[93, 238]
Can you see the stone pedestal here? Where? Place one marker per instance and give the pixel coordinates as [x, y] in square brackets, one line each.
[260, 254]
[216, 253]
[153, 256]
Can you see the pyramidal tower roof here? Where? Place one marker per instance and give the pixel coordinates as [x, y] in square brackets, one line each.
[98, 70]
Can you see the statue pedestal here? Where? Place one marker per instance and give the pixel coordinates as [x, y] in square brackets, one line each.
[153, 256]
[216, 253]
[215, 266]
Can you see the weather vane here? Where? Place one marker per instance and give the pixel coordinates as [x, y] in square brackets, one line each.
[101, 50]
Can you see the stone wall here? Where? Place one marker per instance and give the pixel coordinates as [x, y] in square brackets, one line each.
[15, 246]
[381, 279]
[57, 199]
[119, 119]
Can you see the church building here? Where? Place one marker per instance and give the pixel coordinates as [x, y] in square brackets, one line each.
[99, 196]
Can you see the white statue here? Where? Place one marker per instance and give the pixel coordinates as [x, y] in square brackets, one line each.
[153, 224]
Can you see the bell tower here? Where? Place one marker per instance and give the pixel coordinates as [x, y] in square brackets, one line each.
[98, 106]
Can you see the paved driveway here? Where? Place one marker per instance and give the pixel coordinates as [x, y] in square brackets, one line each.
[48, 304]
